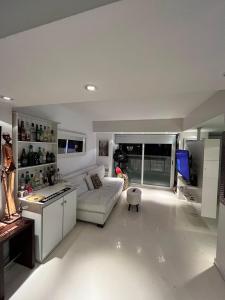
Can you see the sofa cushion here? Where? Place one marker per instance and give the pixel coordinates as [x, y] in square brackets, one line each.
[89, 182]
[99, 170]
[101, 200]
[96, 181]
[82, 188]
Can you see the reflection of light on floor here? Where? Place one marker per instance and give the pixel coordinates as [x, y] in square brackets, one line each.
[139, 250]
[118, 245]
[161, 259]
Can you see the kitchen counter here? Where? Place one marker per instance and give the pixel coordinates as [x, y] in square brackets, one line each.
[47, 191]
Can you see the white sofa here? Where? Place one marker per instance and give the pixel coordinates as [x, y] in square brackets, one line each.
[95, 205]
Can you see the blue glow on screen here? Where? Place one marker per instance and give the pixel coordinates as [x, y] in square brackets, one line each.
[182, 163]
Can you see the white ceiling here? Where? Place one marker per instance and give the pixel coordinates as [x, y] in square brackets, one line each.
[165, 107]
[155, 57]
[217, 123]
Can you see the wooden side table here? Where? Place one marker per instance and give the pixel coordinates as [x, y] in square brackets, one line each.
[20, 236]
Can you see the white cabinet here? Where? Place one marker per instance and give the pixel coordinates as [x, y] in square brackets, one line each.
[52, 222]
[69, 213]
[52, 226]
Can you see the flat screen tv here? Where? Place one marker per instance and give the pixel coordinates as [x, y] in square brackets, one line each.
[182, 164]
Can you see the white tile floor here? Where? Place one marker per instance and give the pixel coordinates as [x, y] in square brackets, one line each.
[164, 252]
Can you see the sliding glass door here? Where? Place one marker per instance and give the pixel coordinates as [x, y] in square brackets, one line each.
[149, 158]
[157, 164]
[134, 161]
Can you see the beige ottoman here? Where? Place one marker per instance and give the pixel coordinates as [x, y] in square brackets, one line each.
[133, 197]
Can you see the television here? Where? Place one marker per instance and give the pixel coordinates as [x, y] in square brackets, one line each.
[182, 163]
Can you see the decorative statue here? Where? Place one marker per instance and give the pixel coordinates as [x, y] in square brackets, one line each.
[8, 179]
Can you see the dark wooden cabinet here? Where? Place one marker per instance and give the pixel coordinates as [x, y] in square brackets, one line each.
[20, 237]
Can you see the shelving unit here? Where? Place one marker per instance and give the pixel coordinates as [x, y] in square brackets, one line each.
[35, 167]
[18, 145]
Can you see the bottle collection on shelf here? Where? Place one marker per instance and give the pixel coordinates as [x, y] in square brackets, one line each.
[35, 181]
[35, 133]
[32, 158]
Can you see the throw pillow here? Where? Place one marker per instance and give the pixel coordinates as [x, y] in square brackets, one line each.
[89, 182]
[96, 181]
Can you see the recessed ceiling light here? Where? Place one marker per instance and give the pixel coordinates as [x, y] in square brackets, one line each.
[6, 98]
[90, 87]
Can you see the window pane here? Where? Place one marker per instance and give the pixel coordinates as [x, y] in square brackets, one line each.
[74, 146]
[157, 164]
[62, 146]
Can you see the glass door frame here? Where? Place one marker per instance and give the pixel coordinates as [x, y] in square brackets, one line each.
[172, 165]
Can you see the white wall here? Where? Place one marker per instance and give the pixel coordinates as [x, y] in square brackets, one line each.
[6, 124]
[72, 121]
[107, 161]
[157, 125]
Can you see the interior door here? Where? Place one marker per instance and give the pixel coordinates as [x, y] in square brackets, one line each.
[69, 219]
[52, 226]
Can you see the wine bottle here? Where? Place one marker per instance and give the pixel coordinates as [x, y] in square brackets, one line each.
[40, 156]
[23, 131]
[48, 158]
[41, 178]
[23, 159]
[52, 136]
[45, 135]
[33, 133]
[19, 130]
[30, 156]
[41, 134]
[27, 178]
[37, 134]
[28, 134]
[44, 156]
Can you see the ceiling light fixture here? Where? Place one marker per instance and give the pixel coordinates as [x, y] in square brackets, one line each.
[90, 87]
[6, 98]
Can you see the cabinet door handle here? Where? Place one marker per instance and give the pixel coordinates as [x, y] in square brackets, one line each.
[65, 201]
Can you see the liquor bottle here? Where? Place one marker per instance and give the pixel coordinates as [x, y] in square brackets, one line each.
[41, 134]
[52, 136]
[49, 134]
[22, 182]
[23, 159]
[52, 157]
[37, 134]
[41, 178]
[48, 158]
[27, 129]
[19, 130]
[33, 133]
[27, 177]
[45, 135]
[36, 180]
[32, 182]
[40, 156]
[45, 177]
[30, 156]
[23, 131]
[35, 158]
[44, 156]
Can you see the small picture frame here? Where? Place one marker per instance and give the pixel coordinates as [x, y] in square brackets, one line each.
[103, 149]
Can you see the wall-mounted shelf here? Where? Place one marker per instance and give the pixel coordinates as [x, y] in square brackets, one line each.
[18, 145]
[39, 143]
[36, 166]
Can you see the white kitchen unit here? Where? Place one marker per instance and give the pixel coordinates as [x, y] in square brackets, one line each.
[54, 219]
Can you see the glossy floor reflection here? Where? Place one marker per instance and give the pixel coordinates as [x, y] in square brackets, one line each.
[164, 252]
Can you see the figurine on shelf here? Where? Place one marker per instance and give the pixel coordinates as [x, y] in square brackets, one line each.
[8, 179]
